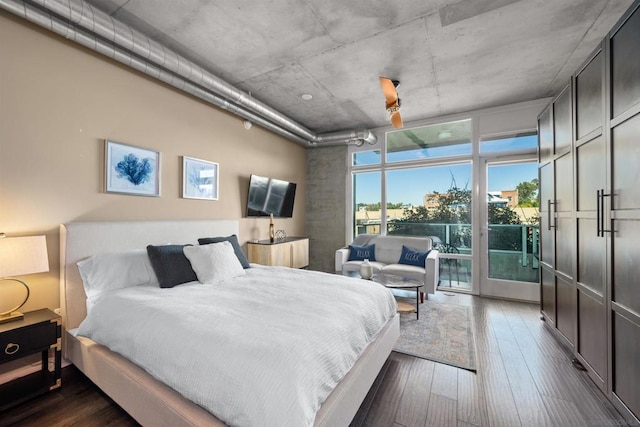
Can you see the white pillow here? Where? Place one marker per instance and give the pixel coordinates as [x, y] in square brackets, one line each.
[105, 272]
[214, 263]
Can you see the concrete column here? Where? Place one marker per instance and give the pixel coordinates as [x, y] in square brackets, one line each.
[325, 204]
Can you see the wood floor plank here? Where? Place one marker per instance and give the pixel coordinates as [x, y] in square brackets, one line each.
[528, 344]
[445, 381]
[501, 408]
[483, 333]
[77, 403]
[386, 401]
[564, 413]
[560, 380]
[414, 403]
[546, 341]
[531, 409]
[469, 401]
[547, 376]
[579, 390]
[499, 323]
[442, 412]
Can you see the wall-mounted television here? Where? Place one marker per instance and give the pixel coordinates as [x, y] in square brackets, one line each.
[270, 196]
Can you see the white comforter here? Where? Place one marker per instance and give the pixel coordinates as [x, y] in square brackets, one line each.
[264, 349]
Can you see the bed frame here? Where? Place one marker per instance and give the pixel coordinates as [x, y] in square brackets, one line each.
[146, 399]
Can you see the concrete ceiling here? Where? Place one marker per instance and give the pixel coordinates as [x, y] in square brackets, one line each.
[450, 56]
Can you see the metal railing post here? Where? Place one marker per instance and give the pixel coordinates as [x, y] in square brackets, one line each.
[523, 232]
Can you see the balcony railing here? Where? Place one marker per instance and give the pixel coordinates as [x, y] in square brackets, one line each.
[513, 249]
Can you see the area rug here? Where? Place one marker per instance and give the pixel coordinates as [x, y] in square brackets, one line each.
[443, 334]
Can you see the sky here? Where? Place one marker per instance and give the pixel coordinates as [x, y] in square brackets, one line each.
[410, 185]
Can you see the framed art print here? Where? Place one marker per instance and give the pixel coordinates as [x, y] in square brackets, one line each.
[199, 179]
[131, 170]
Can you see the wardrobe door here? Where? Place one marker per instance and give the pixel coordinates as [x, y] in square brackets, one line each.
[625, 210]
[625, 301]
[591, 182]
[566, 308]
[591, 258]
[564, 247]
[625, 66]
[562, 128]
[563, 180]
[547, 239]
[545, 136]
[548, 293]
[564, 229]
[589, 106]
[547, 192]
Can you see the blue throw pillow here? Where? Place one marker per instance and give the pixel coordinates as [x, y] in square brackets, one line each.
[170, 264]
[412, 257]
[360, 253]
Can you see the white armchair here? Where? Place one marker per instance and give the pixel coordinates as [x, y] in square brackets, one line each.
[387, 254]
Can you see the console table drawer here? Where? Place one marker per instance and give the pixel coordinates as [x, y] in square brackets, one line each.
[20, 342]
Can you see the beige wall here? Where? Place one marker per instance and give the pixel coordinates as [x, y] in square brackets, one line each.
[59, 101]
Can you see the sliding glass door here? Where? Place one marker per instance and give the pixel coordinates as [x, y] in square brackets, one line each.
[509, 235]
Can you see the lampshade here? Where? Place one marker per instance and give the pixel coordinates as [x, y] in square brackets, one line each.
[18, 256]
[23, 255]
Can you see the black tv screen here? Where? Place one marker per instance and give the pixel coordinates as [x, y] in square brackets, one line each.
[270, 196]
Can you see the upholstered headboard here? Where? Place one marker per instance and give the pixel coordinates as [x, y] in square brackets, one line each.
[79, 240]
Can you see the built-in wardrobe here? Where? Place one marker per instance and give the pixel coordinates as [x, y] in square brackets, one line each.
[589, 172]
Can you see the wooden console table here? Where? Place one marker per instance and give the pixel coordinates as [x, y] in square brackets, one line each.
[288, 252]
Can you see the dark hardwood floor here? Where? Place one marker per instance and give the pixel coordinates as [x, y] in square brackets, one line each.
[525, 378]
[77, 403]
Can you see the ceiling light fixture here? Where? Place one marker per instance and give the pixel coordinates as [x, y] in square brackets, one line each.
[247, 124]
[306, 96]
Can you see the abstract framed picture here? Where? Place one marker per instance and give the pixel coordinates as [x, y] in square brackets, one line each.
[199, 179]
[131, 170]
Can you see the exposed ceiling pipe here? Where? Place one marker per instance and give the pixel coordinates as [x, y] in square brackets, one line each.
[94, 29]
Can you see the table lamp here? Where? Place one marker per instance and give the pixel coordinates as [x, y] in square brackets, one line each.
[19, 256]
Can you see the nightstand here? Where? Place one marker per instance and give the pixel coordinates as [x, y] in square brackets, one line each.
[39, 332]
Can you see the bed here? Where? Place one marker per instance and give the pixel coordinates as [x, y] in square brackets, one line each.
[146, 399]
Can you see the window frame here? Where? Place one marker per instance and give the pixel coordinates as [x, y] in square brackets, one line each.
[484, 125]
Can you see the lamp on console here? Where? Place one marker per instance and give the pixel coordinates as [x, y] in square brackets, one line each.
[20, 256]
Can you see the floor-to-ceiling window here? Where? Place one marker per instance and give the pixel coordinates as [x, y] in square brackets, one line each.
[367, 198]
[446, 180]
[423, 188]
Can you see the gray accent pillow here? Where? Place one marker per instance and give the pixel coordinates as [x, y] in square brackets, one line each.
[233, 239]
[171, 265]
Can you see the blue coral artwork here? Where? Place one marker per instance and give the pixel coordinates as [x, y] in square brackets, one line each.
[199, 179]
[131, 170]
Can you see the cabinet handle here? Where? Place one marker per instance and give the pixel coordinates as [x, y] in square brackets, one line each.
[602, 196]
[12, 348]
[549, 203]
[598, 214]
